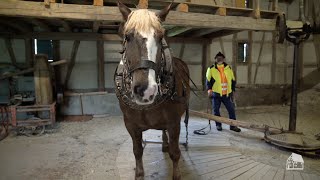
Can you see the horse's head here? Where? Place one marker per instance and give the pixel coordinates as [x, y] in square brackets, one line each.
[143, 34]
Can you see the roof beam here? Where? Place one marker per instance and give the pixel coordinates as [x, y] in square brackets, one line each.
[100, 13]
[221, 33]
[86, 37]
[202, 32]
[177, 30]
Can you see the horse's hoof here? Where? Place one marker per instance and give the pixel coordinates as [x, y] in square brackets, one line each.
[176, 177]
[139, 178]
[165, 148]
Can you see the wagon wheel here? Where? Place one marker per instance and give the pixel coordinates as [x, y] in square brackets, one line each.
[3, 132]
[281, 28]
[32, 130]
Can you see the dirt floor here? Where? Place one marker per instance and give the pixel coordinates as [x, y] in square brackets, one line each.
[89, 150]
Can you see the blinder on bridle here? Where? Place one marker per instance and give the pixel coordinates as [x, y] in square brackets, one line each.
[163, 71]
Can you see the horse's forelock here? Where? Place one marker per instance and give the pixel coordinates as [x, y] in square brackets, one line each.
[143, 21]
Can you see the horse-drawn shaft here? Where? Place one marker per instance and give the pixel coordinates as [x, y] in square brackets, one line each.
[232, 122]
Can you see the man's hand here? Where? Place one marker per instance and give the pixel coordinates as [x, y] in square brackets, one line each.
[209, 93]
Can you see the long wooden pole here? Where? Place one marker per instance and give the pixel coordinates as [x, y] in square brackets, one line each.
[231, 122]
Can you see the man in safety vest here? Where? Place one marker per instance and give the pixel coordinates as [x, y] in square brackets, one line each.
[221, 85]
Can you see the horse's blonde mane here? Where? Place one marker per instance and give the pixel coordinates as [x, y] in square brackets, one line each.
[143, 21]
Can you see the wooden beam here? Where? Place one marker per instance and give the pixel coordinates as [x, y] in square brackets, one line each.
[29, 51]
[72, 62]
[274, 58]
[100, 57]
[234, 53]
[182, 7]
[256, 11]
[203, 32]
[89, 37]
[221, 33]
[11, 52]
[143, 4]
[98, 2]
[275, 5]
[65, 25]
[183, 46]
[204, 61]
[112, 14]
[23, 28]
[250, 33]
[221, 45]
[96, 26]
[39, 23]
[221, 11]
[177, 30]
[259, 58]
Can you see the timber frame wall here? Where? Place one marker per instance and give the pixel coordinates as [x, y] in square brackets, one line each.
[188, 23]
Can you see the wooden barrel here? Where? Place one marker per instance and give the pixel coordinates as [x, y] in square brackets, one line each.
[42, 80]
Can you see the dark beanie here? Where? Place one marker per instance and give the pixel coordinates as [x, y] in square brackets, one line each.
[219, 54]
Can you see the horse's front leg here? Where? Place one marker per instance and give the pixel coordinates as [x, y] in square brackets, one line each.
[174, 150]
[165, 145]
[136, 136]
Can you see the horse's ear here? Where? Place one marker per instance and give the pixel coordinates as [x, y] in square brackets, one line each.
[125, 11]
[164, 12]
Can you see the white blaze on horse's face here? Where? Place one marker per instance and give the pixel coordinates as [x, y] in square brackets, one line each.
[152, 49]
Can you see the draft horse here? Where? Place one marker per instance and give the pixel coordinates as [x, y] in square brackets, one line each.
[151, 85]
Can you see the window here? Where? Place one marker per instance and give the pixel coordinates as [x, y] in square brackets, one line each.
[247, 4]
[243, 52]
[44, 47]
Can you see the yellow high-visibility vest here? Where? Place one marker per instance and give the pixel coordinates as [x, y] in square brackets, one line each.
[214, 74]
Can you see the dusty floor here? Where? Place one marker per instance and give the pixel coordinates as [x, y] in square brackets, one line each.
[89, 150]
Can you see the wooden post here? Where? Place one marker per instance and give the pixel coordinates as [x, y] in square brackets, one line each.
[98, 2]
[234, 53]
[250, 57]
[11, 52]
[204, 63]
[183, 46]
[256, 12]
[259, 58]
[42, 80]
[286, 63]
[72, 62]
[29, 51]
[143, 4]
[100, 56]
[221, 45]
[275, 5]
[274, 58]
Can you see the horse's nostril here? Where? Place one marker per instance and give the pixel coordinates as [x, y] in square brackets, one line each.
[151, 97]
[146, 100]
[139, 90]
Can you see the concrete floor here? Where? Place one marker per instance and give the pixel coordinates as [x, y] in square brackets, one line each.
[101, 149]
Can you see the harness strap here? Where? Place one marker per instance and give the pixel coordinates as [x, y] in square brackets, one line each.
[145, 64]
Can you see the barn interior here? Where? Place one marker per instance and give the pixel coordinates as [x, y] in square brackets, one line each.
[60, 117]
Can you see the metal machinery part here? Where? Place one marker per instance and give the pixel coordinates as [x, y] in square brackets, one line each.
[291, 139]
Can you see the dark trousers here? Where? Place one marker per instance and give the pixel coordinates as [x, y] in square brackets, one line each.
[226, 100]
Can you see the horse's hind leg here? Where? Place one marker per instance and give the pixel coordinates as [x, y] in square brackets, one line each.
[136, 136]
[174, 150]
[165, 145]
